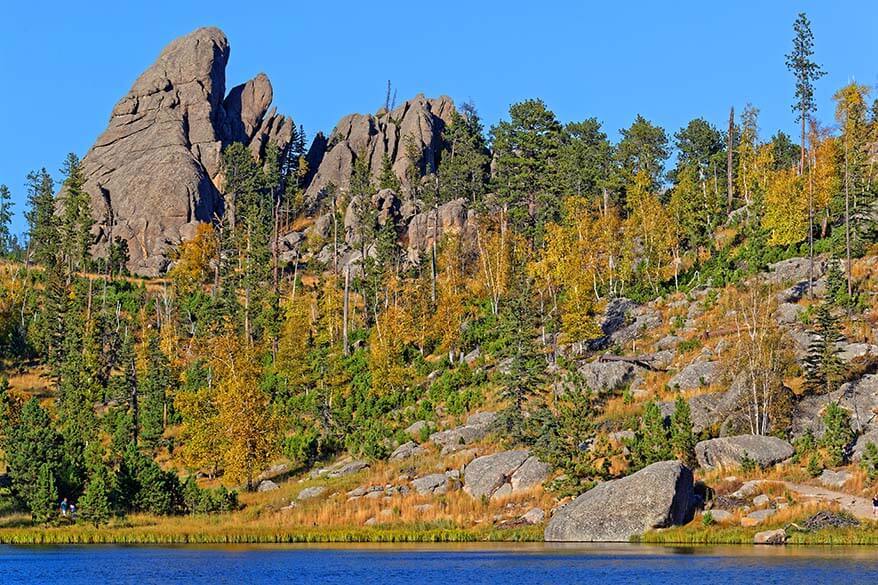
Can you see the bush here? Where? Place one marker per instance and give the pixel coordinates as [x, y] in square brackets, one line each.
[869, 462]
[838, 434]
[197, 500]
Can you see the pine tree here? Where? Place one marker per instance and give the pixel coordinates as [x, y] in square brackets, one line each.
[95, 505]
[651, 441]
[524, 375]
[463, 169]
[44, 499]
[838, 434]
[387, 179]
[30, 445]
[75, 218]
[800, 63]
[682, 438]
[823, 368]
[41, 220]
[5, 221]
[153, 387]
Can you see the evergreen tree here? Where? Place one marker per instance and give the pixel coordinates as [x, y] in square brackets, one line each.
[800, 62]
[823, 368]
[524, 375]
[651, 441]
[153, 388]
[6, 240]
[463, 169]
[525, 156]
[837, 435]
[643, 148]
[682, 438]
[44, 500]
[95, 504]
[41, 220]
[387, 179]
[30, 445]
[75, 219]
[585, 162]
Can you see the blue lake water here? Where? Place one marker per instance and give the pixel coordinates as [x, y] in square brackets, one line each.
[464, 564]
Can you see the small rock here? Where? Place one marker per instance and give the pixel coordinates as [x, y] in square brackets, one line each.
[720, 516]
[434, 483]
[267, 486]
[371, 521]
[757, 517]
[761, 500]
[778, 536]
[406, 451]
[534, 516]
[311, 492]
[421, 508]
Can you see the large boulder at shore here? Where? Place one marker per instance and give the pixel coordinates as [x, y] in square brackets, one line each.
[155, 172]
[731, 451]
[502, 474]
[657, 496]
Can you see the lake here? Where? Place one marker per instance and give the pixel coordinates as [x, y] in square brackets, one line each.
[467, 564]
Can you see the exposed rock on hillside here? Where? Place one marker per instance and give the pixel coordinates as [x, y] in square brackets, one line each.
[373, 136]
[502, 474]
[657, 496]
[156, 170]
[729, 451]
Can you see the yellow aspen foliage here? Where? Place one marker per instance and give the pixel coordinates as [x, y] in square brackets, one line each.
[330, 308]
[192, 267]
[415, 301]
[387, 365]
[786, 208]
[450, 311]
[293, 342]
[250, 431]
[496, 245]
[202, 443]
[651, 235]
[228, 423]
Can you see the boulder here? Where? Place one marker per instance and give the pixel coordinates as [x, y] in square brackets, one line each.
[757, 517]
[761, 500]
[859, 398]
[778, 536]
[485, 475]
[475, 429]
[406, 451]
[429, 225]
[503, 474]
[731, 451]
[787, 313]
[609, 376]
[834, 479]
[156, 170]
[720, 516]
[862, 441]
[793, 270]
[434, 483]
[346, 466]
[311, 492]
[696, 375]
[534, 516]
[657, 496]
[850, 351]
[267, 486]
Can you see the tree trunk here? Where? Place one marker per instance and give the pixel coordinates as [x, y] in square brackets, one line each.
[346, 309]
[730, 146]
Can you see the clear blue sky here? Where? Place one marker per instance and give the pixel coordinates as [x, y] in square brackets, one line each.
[64, 65]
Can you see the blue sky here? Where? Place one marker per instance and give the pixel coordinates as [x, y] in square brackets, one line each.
[64, 65]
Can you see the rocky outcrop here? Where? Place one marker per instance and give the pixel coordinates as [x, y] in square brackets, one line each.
[156, 170]
[609, 376]
[373, 136]
[859, 398]
[453, 218]
[731, 451]
[657, 496]
[696, 375]
[475, 429]
[503, 474]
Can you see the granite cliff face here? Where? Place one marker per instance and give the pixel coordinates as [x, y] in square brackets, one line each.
[422, 119]
[155, 172]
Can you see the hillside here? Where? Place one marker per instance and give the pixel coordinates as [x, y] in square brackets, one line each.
[417, 329]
